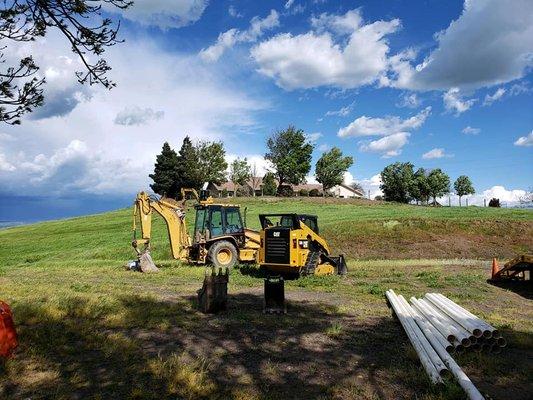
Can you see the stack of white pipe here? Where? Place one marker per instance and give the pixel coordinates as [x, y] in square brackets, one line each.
[459, 326]
[431, 344]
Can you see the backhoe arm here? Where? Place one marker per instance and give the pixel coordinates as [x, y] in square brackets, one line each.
[174, 217]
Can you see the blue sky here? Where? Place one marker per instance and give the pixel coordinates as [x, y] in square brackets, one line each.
[440, 84]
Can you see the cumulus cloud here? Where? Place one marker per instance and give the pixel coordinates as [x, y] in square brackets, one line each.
[526, 141]
[324, 147]
[91, 154]
[435, 153]
[388, 146]
[226, 40]
[5, 165]
[137, 116]
[320, 58]
[509, 197]
[394, 129]
[372, 185]
[453, 101]
[489, 44]
[342, 112]
[369, 126]
[471, 131]
[165, 14]
[491, 98]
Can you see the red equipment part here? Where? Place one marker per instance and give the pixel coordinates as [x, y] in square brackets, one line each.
[8, 334]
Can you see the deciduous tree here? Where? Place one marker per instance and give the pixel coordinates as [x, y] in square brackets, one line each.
[463, 187]
[439, 184]
[239, 172]
[212, 162]
[269, 184]
[290, 155]
[397, 180]
[331, 167]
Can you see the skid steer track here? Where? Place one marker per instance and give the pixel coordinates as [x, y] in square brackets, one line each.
[311, 263]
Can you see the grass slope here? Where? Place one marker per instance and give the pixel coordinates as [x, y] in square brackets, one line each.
[89, 329]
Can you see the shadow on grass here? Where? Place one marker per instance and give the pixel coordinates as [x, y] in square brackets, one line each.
[168, 350]
[522, 288]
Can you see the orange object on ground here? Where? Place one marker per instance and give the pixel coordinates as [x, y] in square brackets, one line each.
[495, 268]
[8, 334]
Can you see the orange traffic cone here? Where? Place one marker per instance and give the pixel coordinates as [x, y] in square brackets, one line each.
[495, 268]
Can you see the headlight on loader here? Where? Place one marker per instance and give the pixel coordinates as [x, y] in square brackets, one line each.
[304, 244]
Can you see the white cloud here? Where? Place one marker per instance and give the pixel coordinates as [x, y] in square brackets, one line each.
[165, 14]
[232, 11]
[507, 197]
[347, 178]
[435, 153]
[489, 44]
[372, 185]
[340, 24]
[389, 146]
[369, 126]
[136, 115]
[491, 98]
[317, 58]
[471, 131]
[5, 165]
[453, 101]
[313, 137]
[324, 147]
[262, 166]
[409, 100]
[233, 36]
[519, 88]
[288, 4]
[117, 158]
[525, 141]
[342, 112]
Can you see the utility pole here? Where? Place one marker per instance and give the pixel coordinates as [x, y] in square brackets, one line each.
[484, 202]
[467, 201]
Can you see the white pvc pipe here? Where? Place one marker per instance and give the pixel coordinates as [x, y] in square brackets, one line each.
[433, 356]
[454, 368]
[453, 327]
[433, 320]
[421, 352]
[482, 323]
[462, 320]
[427, 328]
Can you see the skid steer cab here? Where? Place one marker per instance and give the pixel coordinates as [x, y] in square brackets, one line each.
[291, 244]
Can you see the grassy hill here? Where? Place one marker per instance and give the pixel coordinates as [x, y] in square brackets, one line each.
[90, 329]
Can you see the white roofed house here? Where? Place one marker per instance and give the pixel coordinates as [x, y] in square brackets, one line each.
[346, 192]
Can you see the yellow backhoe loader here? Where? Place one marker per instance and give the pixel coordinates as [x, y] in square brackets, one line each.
[290, 243]
[219, 238]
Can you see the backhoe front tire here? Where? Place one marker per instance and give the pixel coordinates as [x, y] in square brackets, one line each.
[223, 254]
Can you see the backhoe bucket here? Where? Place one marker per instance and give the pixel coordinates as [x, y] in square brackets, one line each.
[146, 263]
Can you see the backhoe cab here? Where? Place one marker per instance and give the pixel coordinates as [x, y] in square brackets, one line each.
[219, 238]
[290, 243]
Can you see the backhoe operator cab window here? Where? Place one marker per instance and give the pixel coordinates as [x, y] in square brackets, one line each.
[218, 221]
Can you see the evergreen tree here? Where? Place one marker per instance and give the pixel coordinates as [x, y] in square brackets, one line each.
[290, 154]
[189, 175]
[165, 174]
[463, 187]
[269, 184]
[331, 167]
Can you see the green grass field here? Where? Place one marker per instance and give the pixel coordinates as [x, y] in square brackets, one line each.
[90, 329]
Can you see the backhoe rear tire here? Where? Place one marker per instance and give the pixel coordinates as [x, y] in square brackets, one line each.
[223, 254]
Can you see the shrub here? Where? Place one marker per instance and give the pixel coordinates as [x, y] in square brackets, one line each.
[303, 192]
[494, 202]
[224, 193]
[378, 198]
[314, 193]
[285, 191]
[243, 192]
